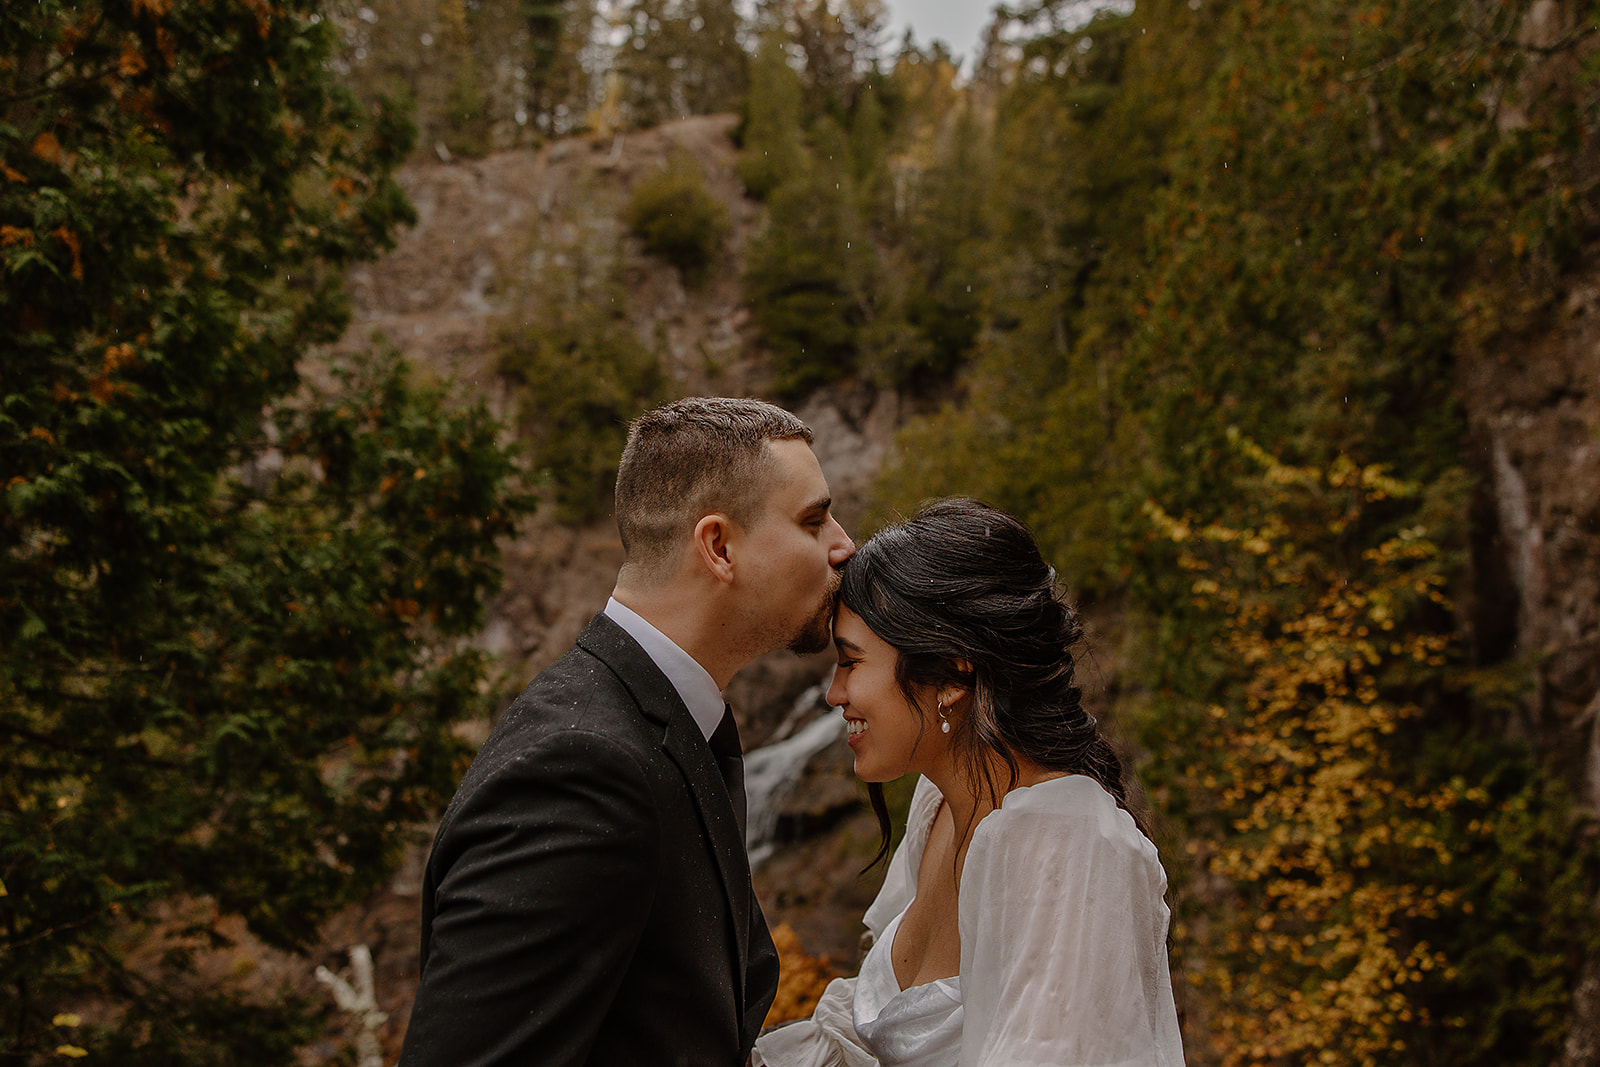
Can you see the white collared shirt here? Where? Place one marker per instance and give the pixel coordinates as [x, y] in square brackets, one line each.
[694, 683]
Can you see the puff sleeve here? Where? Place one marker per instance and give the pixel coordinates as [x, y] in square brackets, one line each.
[1063, 936]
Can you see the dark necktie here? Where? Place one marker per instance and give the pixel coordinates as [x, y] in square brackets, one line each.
[730, 761]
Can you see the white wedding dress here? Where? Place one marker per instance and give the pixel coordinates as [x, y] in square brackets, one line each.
[1063, 950]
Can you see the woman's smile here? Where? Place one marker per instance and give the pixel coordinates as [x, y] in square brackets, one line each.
[888, 736]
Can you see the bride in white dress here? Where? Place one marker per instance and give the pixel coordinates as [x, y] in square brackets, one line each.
[1022, 921]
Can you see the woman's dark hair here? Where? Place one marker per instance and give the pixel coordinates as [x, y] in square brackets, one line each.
[963, 582]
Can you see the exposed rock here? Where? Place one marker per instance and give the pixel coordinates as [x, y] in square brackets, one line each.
[1534, 416]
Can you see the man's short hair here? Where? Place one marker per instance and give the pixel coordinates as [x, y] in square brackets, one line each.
[691, 458]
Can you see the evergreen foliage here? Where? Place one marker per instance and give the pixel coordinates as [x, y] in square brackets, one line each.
[867, 263]
[808, 275]
[1068, 168]
[1194, 279]
[836, 42]
[678, 218]
[680, 58]
[944, 243]
[232, 606]
[772, 129]
[561, 92]
[478, 76]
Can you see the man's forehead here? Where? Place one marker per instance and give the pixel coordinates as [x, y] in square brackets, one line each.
[796, 464]
[797, 482]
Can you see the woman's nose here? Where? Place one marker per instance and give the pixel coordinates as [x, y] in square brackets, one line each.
[836, 694]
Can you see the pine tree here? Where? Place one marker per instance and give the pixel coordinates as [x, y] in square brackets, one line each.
[773, 147]
[231, 605]
[809, 273]
[680, 58]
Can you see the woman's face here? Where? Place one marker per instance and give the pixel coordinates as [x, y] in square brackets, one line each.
[886, 735]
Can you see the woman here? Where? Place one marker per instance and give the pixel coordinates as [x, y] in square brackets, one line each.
[1022, 920]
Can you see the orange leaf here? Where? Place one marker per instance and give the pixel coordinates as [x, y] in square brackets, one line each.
[70, 239]
[130, 62]
[47, 148]
[119, 355]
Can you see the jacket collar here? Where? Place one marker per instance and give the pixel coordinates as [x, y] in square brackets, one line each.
[686, 746]
[692, 681]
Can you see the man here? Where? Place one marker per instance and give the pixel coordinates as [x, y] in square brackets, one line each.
[588, 898]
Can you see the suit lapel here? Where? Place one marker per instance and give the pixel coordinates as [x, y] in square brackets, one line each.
[684, 744]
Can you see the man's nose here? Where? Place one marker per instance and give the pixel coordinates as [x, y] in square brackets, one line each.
[843, 547]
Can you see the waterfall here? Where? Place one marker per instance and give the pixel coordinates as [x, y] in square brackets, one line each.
[771, 771]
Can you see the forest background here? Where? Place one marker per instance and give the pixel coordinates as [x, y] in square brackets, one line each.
[1278, 322]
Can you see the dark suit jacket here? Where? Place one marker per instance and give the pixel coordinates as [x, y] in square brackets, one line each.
[588, 897]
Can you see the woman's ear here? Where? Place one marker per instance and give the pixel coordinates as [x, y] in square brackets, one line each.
[710, 545]
[951, 695]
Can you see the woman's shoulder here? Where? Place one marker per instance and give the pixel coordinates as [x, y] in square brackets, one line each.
[1069, 794]
[1068, 810]
[1058, 834]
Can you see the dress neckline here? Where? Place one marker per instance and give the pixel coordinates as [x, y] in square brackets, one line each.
[887, 941]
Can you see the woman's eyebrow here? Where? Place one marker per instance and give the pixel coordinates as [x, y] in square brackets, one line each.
[845, 646]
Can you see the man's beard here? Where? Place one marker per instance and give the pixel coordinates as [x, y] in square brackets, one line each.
[816, 634]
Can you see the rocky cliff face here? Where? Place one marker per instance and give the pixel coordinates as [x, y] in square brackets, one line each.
[1533, 414]
[457, 277]
[1534, 418]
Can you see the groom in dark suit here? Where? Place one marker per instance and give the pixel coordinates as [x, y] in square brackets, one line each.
[588, 897]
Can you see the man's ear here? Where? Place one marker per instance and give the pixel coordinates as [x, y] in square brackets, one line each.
[711, 537]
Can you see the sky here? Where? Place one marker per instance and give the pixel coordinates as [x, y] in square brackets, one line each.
[957, 23]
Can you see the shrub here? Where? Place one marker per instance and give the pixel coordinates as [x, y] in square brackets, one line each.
[583, 376]
[678, 219]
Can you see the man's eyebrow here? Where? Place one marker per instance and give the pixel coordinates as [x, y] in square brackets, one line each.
[819, 506]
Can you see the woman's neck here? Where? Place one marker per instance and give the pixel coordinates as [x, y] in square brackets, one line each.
[967, 793]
